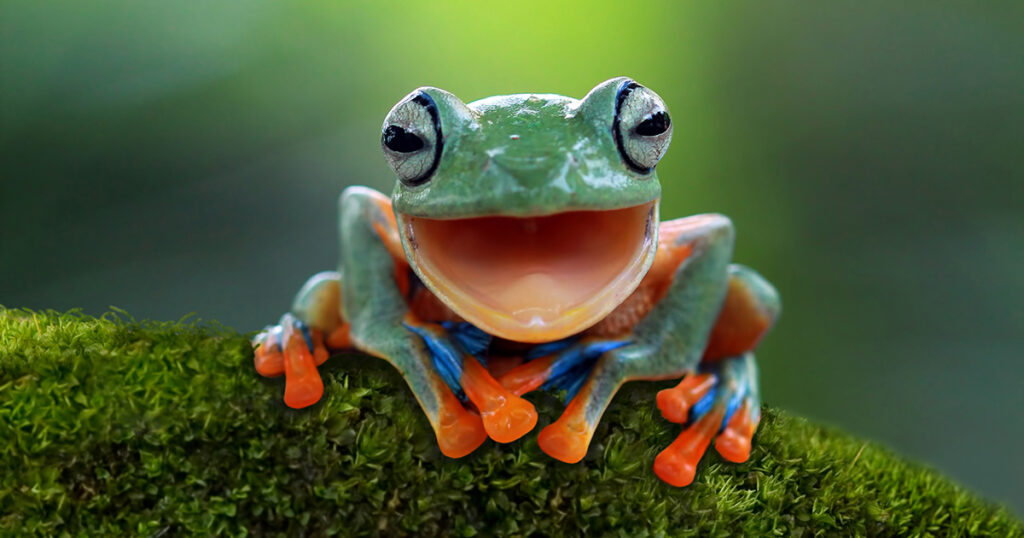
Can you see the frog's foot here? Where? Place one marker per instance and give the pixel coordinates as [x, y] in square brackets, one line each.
[568, 438]
[723, 399]
[585, 372]
[675, 403]
[294, 349]
[459, 430]
[563, 364]
[722, 403]
[506, 417]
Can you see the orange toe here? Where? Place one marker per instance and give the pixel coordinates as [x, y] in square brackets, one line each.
[734, 443]
[303, 386]
[320, 355]
[268, 360]
[565, 440]
[675, 403]
[675, 468]
[527, 376]
[677, 464]
[511, 421]
[460, 431]
[506, 417]
[339, 338]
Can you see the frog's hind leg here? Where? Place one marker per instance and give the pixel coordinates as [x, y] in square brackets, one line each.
[751, 307]
[723, 399]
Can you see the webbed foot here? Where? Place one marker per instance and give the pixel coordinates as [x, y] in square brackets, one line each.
[459, 430]
[579, 367]
[295, 350]
[723, 403]
[506, 417]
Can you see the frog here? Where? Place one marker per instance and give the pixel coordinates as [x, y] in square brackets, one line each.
[522, 249]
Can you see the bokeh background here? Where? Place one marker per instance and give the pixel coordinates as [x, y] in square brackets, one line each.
[183, 157]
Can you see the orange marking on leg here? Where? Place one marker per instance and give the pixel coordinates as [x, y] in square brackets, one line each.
[459, 430]
[506, 417]
[402, 277]
[303, 386]
[668, 258]
[734, 443]
[568, 438]
[528, 376]
[677, 464]
[268, 360]
[675, 403]
[340, 337]
[740, 325]
[652, 289]
[386, 227]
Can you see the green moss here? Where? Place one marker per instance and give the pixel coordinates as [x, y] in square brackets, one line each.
[111, 427]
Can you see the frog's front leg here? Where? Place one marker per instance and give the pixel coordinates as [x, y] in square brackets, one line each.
[690, 276]
[506, 416]
[364, 307]
[299, 342]
[671, 340]
[374, 289]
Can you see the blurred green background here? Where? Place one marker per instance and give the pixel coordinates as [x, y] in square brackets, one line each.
[186, 157]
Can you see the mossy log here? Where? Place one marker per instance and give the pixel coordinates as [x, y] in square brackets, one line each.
[115, 427]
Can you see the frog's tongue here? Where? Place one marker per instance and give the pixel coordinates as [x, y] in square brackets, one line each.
[534, 279]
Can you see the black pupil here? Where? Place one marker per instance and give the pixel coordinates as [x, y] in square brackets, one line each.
[654, 125]
[400, 140]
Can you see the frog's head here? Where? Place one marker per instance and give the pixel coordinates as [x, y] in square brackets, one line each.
[531, 216]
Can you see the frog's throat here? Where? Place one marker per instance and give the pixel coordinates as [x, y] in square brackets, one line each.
[534, 279]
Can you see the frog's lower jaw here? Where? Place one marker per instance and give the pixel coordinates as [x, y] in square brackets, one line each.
[534, 279]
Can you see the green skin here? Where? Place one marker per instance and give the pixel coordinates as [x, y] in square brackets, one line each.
[536, 155]
[559, 162]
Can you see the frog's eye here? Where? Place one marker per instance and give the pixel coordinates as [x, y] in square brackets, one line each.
[642, 126]
[411, 138]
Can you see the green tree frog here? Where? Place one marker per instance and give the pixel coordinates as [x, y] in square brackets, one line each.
[522, 249]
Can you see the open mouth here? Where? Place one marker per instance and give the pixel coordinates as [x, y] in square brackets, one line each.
[534, 279]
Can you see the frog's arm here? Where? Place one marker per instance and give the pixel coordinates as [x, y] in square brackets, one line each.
[668, 341]
[374, 287]
[299, 342]
[364, 307]
[692, 278]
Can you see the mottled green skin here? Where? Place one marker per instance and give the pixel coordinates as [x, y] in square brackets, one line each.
[562, 159]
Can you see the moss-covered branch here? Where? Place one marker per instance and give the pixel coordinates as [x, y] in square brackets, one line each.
[111, 427]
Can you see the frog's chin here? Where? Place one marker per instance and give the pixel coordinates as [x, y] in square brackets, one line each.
[534, 279]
